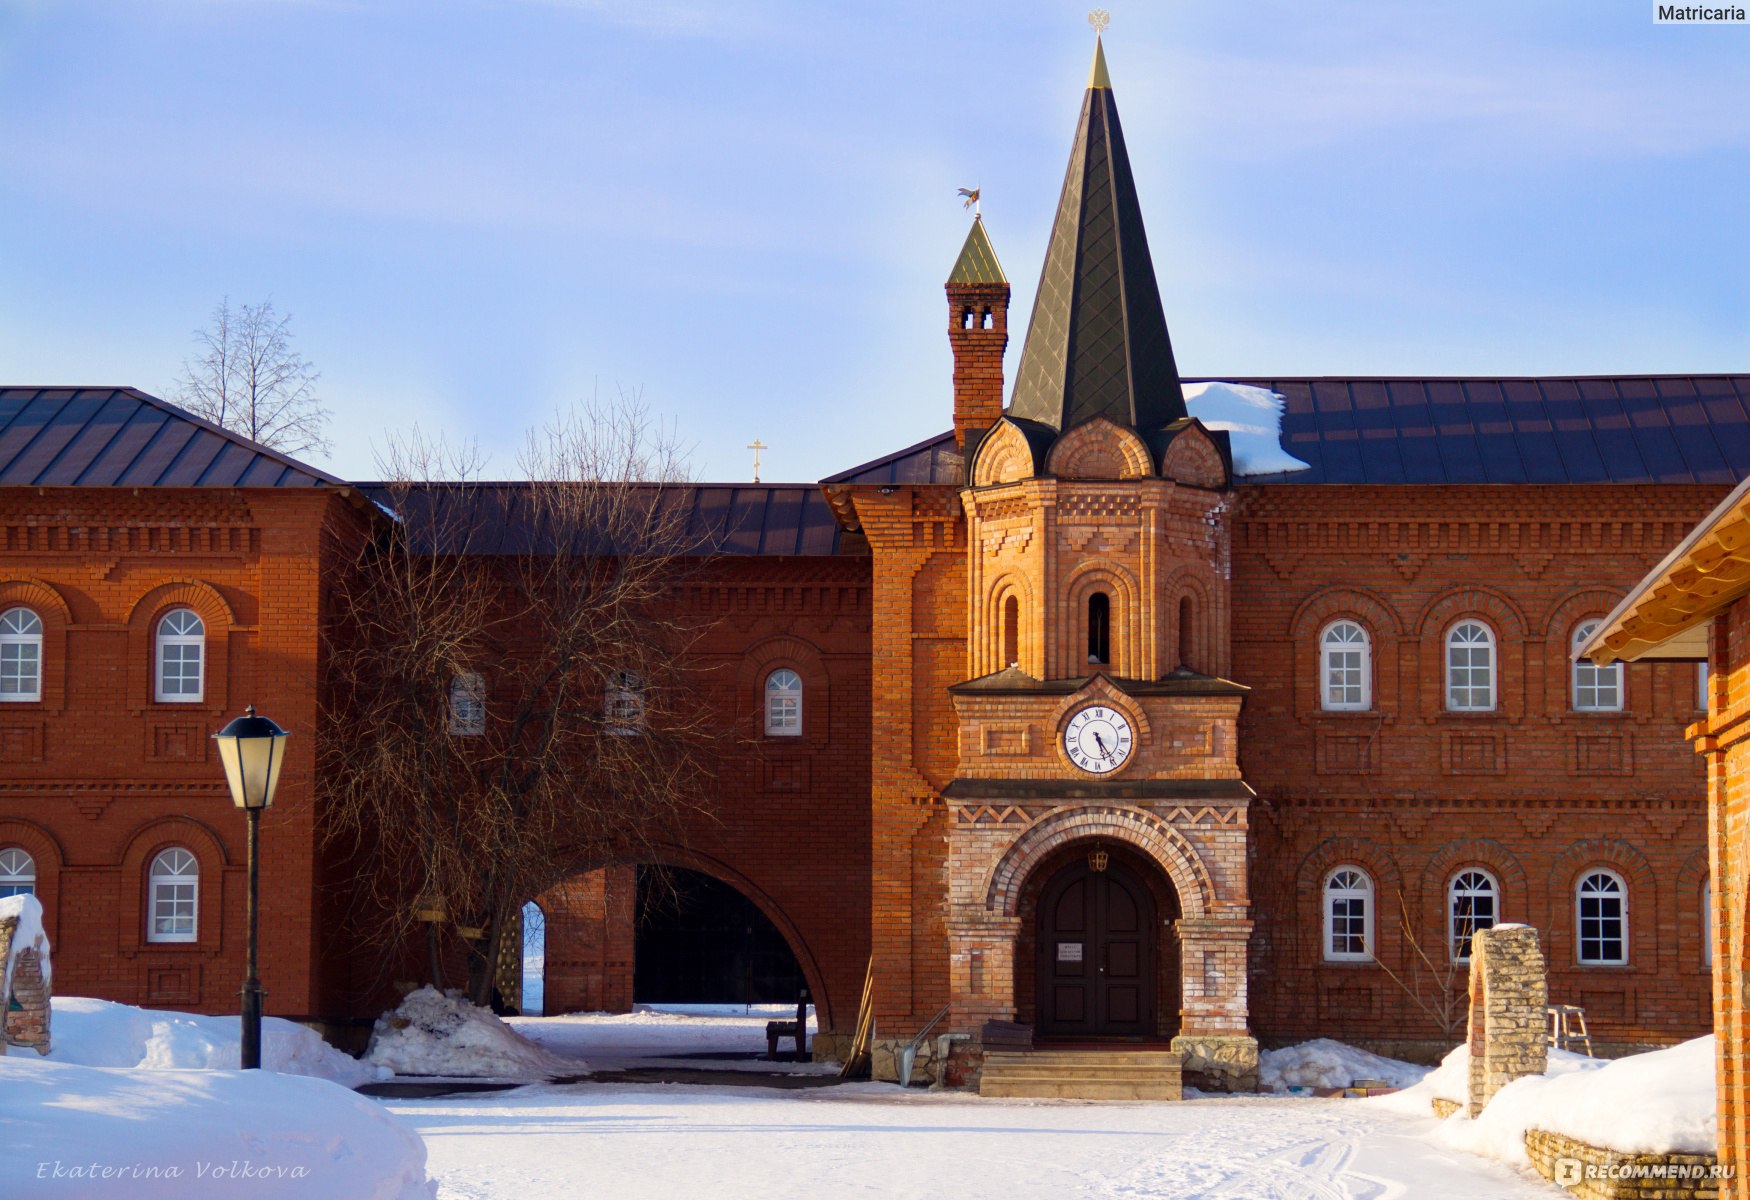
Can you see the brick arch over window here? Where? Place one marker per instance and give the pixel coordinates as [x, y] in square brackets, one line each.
[1514, 902]
[52, 609]
[1388, 885]
[219, 618]
[1306, 628]
[45, 851]
[1208, 641]
[1098, 449]
[138, 851]
[1142, 830]
[1496, 608]
[1113, 578]
[1557, 631]
[1010, 583]
[801, 656]
[1505, 621]
[668, 854]
[1644, 947]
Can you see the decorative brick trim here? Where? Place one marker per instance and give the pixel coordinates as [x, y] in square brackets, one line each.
[1165, 845]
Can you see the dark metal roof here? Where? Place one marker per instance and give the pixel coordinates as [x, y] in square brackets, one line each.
[726, 518]
[121, 437]
[1551, 429]
[1097, 342]
[933, 460]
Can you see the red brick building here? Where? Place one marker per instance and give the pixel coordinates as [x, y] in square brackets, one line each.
[1056, 718]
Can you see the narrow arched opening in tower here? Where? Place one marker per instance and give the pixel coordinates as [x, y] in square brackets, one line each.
[1099, 629]
[1011, 631]
[1187, 633]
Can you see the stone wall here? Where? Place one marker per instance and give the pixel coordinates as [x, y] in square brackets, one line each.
[28, 1024]
[1508, 999]
[1591, 1173]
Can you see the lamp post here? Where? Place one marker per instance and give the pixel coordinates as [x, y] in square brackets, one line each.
[252, 750]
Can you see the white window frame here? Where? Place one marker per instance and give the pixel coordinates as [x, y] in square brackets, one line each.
[1358, 691]
[181, 638]
[783, 693]
[1491, 667]
[623, 703]
[1593, 688]
[17, 872]
[173, 870]
[21, 645]
[467, 704]
[1347, 884]
[1468, 886]
[1580, 895]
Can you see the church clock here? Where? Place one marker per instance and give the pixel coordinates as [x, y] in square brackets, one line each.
[1098, 739]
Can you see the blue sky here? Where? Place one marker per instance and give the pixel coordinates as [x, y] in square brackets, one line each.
[478, 211]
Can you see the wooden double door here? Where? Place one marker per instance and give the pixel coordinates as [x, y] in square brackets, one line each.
[1096, 943]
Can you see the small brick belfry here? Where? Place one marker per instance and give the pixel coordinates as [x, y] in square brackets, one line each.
[1509, 993]
[24, 988]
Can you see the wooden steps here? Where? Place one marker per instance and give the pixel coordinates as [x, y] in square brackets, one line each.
[1105, 1074]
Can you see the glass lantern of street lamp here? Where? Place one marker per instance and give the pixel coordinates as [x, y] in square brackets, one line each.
[252, 750]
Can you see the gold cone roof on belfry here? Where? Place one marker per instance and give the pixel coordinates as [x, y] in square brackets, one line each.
[978, 261]
[1097, 343]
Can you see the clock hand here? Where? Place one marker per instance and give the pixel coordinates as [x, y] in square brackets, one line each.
[1101, 743]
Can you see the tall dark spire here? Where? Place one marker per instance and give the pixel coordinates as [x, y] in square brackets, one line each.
[1097, 344]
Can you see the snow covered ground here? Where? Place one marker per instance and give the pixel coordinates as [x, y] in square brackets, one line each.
[675, 1035]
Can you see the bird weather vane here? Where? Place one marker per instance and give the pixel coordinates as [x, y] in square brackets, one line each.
[756, 446]
[1099, 18]
[971, 195]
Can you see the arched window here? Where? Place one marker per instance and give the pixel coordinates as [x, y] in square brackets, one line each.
[1707, 922]
[1099, 629]
[1348, 915]
[783, 703]
[182, 647]
[21, 655]
[1601, 911]
[1345, 667]
[623, 703]
[1470, 667]
[17, 873]
[1011, 631]
[1473, 903]
[1596, 688]
[174, 881]
[468, 704]
[1187, 631]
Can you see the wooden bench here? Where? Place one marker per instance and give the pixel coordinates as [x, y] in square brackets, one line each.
[777, 1031]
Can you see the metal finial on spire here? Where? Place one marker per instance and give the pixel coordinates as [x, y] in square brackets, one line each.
[1099, 19]
[756, 446]
[971, 195]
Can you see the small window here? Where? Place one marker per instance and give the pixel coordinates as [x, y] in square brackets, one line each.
[1601, 907]
[1701, 686]
[175, 888]
[1011, 632]
[21, 655]
[17, 873]
[1187, 632]
[1346, 668]
[468, 704]
[1596, 688]
[623, 703]
[1472, 905]
[182, 646]
[1707, 922]
[1099, 629]
[783, 703]
[1470, 667]
[1348, 915]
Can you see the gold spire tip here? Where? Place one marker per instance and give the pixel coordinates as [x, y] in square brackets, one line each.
[1097, 77]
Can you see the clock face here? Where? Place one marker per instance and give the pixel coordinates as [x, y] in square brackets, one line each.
[1098, 739]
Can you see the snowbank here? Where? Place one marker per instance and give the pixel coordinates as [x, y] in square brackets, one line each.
[1323, 1063]
[438, 1033]
[1252, 417]
[1656, 1103]
[99, 1033]
[28, 936]
[186, 1135]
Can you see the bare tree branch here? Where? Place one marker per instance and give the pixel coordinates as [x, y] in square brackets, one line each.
[247, 378]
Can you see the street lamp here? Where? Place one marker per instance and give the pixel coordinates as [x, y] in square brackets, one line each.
[252, 749]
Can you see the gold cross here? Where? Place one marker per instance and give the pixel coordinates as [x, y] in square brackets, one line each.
[756, 446]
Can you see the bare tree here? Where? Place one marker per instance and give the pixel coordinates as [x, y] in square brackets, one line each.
[511, 702]
[1439, 989]
[247, 378]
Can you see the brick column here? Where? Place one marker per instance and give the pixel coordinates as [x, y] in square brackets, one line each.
[981, 970]
[1508, 995]
[1220, 1052]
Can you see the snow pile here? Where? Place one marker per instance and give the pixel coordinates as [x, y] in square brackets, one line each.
[1656, 1103]
[440, 1033]
[99, 1033]
[1252, 417]
[1323, 1063]
[28, 936]
[706, 1036]
[188, 1135]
